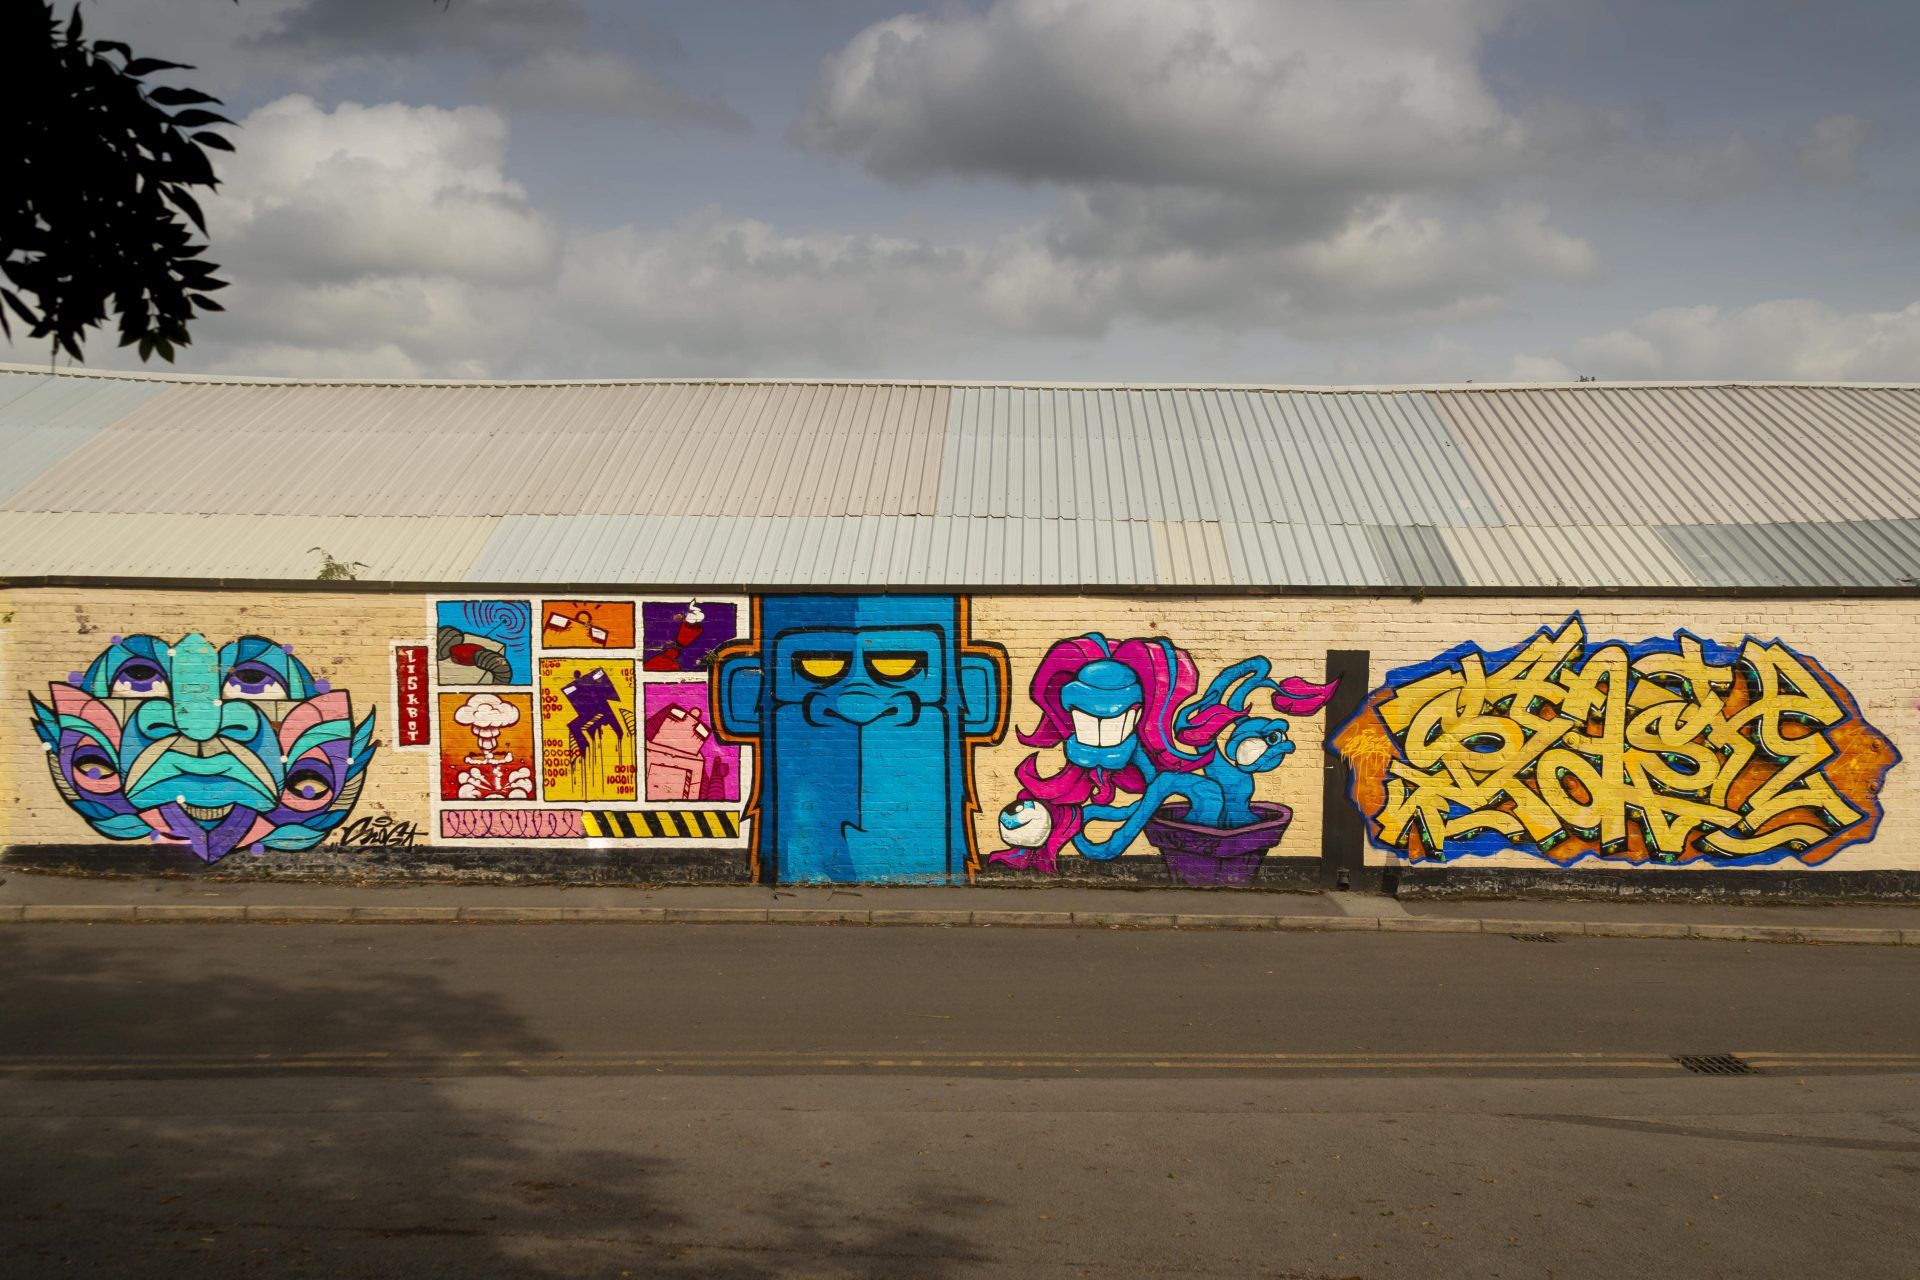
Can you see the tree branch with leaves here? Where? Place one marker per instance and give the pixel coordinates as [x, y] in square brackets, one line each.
[97, 211]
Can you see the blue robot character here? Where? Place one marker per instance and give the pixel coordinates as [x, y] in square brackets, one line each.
[865, 710]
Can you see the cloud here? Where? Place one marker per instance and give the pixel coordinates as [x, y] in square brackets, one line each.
[1315, 166]
[538, 54]
[1787, 338]
[319, 196]
[604, 84]
[1270, 95]
[391, 28]
[1831, 151]
[380, 237]
[388, 240]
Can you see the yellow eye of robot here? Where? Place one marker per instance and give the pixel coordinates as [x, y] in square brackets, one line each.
[820, 667]
[895, 666]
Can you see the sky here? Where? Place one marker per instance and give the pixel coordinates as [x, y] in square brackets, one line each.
[1251, 191]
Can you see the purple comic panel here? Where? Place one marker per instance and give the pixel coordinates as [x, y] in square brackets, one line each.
[682, 635]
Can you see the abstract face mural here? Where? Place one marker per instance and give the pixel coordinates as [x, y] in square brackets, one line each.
[1666, 751]
[866, 709]
[1141, 748]
[209, 749]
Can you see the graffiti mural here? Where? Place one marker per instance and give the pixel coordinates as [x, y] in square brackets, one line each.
[486, 746]
[586, 624]
[208, 749]
[587, 717]
[866, 710]
[606, 731]
[684, 760]
[682, 637]
[1666, 751]
[1144, 755]
[482, 642]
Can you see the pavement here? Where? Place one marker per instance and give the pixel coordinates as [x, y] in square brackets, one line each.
[28, 897]
[748, 1102]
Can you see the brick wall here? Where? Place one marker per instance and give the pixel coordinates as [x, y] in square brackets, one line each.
[346, 639]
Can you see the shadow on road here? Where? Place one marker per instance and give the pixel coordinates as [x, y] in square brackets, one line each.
[327, 1175]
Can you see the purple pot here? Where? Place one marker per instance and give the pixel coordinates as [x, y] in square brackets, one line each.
[1214, 856]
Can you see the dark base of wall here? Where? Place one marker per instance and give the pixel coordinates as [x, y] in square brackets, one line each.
[541, 865]
[1275, 875]
[481, 864]
[538, 865]
[1656, 886]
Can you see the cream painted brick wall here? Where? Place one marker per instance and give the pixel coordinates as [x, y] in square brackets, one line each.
[346, 638]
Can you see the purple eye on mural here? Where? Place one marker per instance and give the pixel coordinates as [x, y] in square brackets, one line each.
[250, 680]
[139, 678]
[309, 783]
[95, 771]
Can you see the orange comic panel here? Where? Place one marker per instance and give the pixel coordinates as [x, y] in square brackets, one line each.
[586, 624]
[486, 746]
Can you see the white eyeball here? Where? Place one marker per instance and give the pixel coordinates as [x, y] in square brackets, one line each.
[1025, 824]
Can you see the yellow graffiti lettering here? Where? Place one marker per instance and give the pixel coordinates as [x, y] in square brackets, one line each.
[1562, 743]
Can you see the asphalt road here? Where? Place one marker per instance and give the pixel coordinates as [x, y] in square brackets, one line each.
[761, 1101]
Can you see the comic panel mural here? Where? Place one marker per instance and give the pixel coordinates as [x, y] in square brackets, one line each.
[486, 746]
[587, 724]
[586, 624]
[1673, 750]
[606, 729]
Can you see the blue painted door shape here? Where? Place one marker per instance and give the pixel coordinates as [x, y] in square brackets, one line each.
[865, 709]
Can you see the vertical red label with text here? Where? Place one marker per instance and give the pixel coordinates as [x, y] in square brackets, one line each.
[410, 680]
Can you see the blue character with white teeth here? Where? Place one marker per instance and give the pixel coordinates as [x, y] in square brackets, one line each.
[865, 710]
[1134, 737]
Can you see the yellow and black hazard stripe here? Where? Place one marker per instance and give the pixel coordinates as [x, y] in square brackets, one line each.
[662, 824]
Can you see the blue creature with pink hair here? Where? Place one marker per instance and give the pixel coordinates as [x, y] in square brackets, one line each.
[1136, 736]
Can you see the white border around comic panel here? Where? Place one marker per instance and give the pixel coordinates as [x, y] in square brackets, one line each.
[743, 615]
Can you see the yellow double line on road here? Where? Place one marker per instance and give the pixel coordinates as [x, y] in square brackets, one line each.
[428, 1062]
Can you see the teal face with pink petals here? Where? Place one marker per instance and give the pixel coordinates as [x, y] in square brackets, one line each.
[209, 749]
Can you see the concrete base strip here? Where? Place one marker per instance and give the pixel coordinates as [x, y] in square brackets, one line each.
[50, 913]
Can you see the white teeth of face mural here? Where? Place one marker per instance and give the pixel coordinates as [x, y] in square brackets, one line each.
[1107, 731]
[1249, 751]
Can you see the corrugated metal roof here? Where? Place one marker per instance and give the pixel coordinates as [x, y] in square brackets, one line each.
[392, 548]
[1865, 553]
[44, 418]
[793, 483]
[1692, 455]
[1569, 556]
[1167, 454]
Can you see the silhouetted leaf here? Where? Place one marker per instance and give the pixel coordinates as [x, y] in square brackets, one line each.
[213, 140]
[187, 205]
[169, 96]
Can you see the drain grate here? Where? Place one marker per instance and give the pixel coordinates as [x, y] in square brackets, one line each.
[1716, 1064]
[1534, 937]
